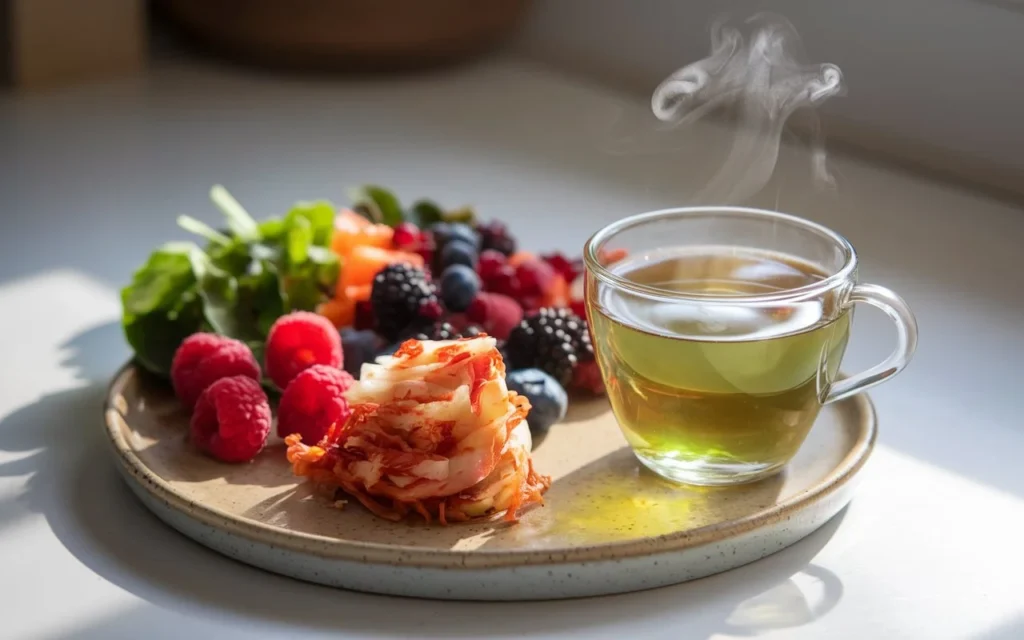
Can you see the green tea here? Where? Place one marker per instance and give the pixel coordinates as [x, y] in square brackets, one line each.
[703, 384]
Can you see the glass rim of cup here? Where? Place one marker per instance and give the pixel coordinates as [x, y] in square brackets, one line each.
[842, 276]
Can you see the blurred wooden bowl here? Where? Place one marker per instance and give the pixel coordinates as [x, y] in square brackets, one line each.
[348, 34]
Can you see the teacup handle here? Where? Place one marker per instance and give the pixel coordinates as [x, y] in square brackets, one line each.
[906, 341]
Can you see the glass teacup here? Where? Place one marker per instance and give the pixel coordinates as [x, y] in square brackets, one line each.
[719, 332]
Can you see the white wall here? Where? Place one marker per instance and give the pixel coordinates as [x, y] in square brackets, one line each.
[940, 81]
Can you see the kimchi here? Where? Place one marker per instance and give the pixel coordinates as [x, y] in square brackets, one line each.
[435, 432]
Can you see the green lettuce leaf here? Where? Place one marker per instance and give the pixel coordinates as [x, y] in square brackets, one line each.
[161, 306]
[379, 204]
[426, 213]
[238, 285]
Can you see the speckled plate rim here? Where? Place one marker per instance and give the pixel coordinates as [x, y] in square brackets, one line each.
[369, 552]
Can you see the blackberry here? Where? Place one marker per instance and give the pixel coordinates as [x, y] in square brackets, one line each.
[438, 331]
[579, 330]
[399, 290]
[554, 340]
[445, 331]
[494, 235]
[556, 355]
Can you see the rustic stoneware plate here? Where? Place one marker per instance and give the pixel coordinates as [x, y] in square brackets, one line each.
[608, 525]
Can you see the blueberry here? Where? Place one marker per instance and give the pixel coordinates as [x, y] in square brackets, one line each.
[464, 232]
[459, 285]
[548, 399]
[442, 232]
[446, 231]
[458, 252]
[359, 347]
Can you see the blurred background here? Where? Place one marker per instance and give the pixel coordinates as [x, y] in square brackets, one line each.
[933, 84]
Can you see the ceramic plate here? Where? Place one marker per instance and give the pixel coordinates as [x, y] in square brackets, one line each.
[608, 525]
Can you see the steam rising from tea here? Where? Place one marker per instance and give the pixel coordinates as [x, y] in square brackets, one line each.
[762, 79]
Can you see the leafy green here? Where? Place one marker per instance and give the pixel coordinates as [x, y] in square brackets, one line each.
[320, 216]
[161, 307]
[249, 273]
[465, 215]
[203, 230]
[382, 206]
[238, 285]
[239, 221]
[426, 213]
[378, 204]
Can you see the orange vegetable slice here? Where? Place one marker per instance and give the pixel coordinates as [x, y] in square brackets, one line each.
[609, 257]
[340, 311]
[358, 293]
[352, 230]
[519, 257]
[364, 262]
[557, 294]
[349, 219]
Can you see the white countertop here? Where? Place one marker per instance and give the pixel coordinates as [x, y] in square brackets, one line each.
[93, 178]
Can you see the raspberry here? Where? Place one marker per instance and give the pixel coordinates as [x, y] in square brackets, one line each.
[427, 253]
[505, 282]
[426, 247]
[314, 401]
[535, 277]
[407, 236]
[431, 309]
[204, 358]
[569, 269]
[231, 420]
[298, 341]
[489, 263]
[497, 314]
[531, 304]
[579, 307]
[458, 320]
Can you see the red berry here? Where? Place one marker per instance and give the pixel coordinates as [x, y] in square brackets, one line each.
[497, 314]
[489, 263]
[535, 277]
[204, 358]
[587, 377]
[495, 235]
[313, 402]
[531, 304]
[569, 269]
[407, 236]
[298, 341]
[430, 309]
[231, 420]
[579, 308]
[505, 282]
[458, 321]
[427, 253]
[426, 247]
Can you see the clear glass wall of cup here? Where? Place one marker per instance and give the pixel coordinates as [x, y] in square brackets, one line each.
[720, 331]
